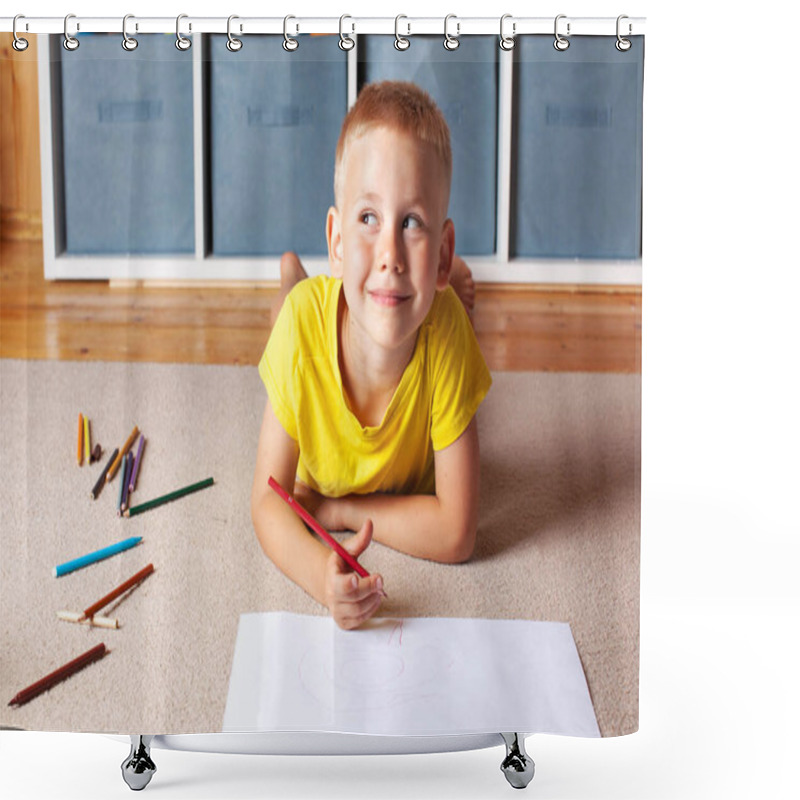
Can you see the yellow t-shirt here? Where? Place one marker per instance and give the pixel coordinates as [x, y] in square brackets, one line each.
[438, 394]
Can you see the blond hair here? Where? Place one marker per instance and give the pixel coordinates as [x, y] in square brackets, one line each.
[400, 106]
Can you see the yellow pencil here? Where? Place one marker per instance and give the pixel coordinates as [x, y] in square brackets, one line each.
[80, 440]
[87, 442]
[118, 460]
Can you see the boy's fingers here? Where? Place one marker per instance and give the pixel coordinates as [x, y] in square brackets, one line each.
[349, 588]
[357, 544]
[355, 614]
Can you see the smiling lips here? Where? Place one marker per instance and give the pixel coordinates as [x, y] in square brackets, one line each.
[387, 298]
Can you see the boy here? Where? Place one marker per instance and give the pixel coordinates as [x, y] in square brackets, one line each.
[374, 375]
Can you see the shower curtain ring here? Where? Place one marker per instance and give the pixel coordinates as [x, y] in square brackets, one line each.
[451, 42]
[561, 43]
[181, 42]
[290, 44]
[346, 42]
[70, 42]
[507, 42]
[623, 44]
[18, 44]
[233, 44]
[400, 42]
[128, 42]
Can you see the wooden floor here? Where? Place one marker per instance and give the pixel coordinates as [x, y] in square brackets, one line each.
[519, 328]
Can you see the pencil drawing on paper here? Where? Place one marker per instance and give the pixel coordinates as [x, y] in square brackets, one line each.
[373, 673]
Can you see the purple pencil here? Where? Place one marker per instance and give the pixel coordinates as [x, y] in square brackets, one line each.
[136, 464]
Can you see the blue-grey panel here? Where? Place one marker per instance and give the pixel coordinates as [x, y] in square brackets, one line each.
[577, 148]
[275, 121]
[463, 83]
[128, 142]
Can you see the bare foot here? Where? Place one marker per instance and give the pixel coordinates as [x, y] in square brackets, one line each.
[292, 272]
[463, 284]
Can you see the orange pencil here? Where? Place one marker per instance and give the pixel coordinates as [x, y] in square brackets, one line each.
[80, 440]
[127, 446]
[115, 593]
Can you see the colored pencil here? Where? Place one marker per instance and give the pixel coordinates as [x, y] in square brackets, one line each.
[158, 501]
[127, 446]
[62, 673]
[318, 529]
[126, 500]
[101, 481]
[121, 496]
[87, 443]
[97, 555]
[126, 476]
[136, 464]
[80, 440]
[96, 620]
[121, 589]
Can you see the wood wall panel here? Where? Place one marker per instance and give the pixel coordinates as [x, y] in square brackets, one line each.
[20, 170]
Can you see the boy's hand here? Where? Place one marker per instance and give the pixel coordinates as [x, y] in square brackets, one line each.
[352, 600]
[328, 511]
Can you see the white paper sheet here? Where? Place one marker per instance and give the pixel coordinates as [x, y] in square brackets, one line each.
[407, 677]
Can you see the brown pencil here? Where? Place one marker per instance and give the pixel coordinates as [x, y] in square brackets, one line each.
[127, 446]
[61, 674]
[115, 593]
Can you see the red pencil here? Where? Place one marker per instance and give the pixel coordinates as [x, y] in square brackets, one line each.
[62, 673]
[318, 529]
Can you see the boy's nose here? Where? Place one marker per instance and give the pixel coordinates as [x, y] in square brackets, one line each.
[391, 251]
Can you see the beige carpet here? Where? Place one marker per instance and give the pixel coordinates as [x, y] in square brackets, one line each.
[558, 537]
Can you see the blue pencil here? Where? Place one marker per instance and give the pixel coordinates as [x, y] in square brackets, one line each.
[98, 555]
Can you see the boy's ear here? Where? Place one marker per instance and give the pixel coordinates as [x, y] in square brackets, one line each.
[447, 250]
[333, 232]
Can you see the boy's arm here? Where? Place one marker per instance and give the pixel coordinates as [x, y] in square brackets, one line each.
[286, 541]
[282, 535]
[440, 527]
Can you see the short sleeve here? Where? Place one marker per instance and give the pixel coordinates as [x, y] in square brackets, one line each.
[278, 365]
[459, 374]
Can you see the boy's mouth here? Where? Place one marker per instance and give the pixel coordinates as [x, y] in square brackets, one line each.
[384, 297]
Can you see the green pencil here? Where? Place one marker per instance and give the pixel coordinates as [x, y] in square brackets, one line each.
[195, 487]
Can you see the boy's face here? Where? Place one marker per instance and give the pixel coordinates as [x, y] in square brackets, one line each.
[389, 240]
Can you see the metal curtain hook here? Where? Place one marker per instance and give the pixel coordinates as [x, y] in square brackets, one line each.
[289, 44]
[561, 43]
[507, 42]
[451, 42]
[128, 43]
[18, 44]
[623, 44]
[233, 44]
[346, 42]
[400, 42]
[70, 42]
[181, 42]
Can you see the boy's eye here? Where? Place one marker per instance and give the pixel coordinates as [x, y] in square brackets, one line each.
[412, 222]
[368, 218]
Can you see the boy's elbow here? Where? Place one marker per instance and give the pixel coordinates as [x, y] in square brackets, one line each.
[462, 544]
